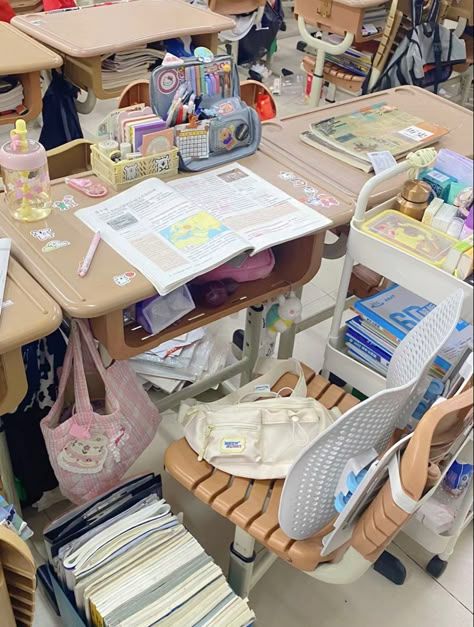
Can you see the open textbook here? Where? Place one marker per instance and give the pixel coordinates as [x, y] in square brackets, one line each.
[379, 127]
[173, 232]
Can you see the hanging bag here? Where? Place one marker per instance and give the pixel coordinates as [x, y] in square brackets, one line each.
[93, 438]
[427, 54]
[257, 439]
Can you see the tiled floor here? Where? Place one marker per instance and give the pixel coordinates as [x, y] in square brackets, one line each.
[286, 597]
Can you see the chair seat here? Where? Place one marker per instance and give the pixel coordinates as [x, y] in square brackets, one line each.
[253, 504]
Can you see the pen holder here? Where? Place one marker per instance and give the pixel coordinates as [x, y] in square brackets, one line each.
[25, 174]
[122, 174]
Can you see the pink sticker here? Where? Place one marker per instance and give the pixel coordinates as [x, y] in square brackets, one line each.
[124, 279]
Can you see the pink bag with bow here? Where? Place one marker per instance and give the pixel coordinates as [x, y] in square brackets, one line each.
[95, 434]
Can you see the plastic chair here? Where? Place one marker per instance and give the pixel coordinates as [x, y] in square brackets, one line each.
[291, 517]
[71, 158]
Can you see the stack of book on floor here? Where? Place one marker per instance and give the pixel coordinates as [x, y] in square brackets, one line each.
[125, 560]
[11, 95]
[353, 60]
[125, 67]
[382, 322]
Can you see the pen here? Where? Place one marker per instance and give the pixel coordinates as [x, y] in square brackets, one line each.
[86, 264]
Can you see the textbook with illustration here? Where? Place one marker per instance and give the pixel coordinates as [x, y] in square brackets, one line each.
[173, 232]
[376, 128]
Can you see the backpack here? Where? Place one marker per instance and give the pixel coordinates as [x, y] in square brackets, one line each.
[60, 119]
[426, 55]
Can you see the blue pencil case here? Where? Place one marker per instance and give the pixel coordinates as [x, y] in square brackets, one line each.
[232, 129]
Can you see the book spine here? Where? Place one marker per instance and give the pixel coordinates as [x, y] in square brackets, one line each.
[366, 360]
[373, 353]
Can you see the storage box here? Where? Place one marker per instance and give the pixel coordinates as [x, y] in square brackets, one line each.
[123, 174]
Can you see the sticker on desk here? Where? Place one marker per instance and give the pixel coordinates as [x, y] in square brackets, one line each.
[168, 81]
[287, 176]
[124, 279]
[415, 133]
[54, 245]
[37, 22]
[6, 303]
[310, 191]
[65, 204]
[42, 234]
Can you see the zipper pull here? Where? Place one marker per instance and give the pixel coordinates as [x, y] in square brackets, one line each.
[207, 433]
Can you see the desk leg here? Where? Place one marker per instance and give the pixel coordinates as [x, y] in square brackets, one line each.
[13, 387]
[253, 329]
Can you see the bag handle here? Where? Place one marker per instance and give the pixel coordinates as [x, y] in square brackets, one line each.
[269, 379]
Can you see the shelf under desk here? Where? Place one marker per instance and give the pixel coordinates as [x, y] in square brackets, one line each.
[24, 58]
[100, 299]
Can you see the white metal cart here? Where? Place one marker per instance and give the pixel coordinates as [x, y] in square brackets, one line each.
[431, 283]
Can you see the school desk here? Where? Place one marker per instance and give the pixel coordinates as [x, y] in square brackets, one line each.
[107, 290]
[86, 36]
[28, 314]
[24, 58]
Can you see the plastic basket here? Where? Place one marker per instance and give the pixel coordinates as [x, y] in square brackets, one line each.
[130, 171]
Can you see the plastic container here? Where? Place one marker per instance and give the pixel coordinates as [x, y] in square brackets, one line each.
[25, 174]
[122, 174]
[409, 235]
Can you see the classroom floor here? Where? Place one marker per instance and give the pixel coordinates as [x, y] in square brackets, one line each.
[286, 597]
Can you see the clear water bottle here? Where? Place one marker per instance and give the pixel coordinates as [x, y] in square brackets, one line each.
[25, 174]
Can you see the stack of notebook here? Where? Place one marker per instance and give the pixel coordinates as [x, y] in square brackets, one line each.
[353, 60]
[125, 560]
[382, 322]
[125, 67]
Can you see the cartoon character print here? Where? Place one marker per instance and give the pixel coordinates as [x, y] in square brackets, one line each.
[42, 234]
[131, 172]
[163, 163]
[226, 137]
[85, 456]
[65, 204]
[124, 279]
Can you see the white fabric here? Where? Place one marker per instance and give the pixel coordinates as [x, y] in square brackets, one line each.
[258, 439]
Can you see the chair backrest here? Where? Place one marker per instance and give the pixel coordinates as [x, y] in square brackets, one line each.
[307, 502]
[383, 518]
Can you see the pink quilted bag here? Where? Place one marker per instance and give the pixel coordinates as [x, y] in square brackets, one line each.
[91, 444]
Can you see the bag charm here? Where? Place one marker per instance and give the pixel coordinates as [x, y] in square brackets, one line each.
[283, 313]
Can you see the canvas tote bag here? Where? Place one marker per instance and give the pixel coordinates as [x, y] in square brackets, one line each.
[99, 426]
[255, 432]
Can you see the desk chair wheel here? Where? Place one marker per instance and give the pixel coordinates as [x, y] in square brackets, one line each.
[436, 566]
[391, 568]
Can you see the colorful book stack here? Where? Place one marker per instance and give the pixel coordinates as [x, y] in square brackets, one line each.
[355, 61]
[382, 322]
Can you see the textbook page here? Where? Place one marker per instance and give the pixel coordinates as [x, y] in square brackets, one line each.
[166, 237]
[5, 245]
[260, 212]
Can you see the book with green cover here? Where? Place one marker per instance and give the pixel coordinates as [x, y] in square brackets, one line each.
[375, 128]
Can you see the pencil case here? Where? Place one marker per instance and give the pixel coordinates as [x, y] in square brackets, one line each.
[253, 268]
[234, 133]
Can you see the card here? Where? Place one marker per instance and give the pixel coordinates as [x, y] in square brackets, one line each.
[140, 130]
[126, 134]
[193, 140]
[108, 128]
[155, 143]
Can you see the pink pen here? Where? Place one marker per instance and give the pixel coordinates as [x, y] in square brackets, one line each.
[86, 264]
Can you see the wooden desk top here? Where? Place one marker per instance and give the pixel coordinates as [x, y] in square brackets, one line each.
[282, 138]
[98, 294]
[28, 312]
[20, 54]
[105, 29]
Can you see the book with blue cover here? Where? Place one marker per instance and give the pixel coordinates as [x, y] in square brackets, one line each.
[387, 317]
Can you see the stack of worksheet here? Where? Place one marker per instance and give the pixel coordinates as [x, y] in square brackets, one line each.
[125, 67]
[139, 566]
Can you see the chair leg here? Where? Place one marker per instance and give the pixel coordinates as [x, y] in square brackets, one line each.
[391, 568]
[242, 561]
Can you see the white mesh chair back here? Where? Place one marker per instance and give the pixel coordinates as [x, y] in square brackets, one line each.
[307, 502]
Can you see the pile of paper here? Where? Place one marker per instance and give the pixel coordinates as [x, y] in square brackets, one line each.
[122, 68]
[139, 565]
[185, 359]
[10, 97]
